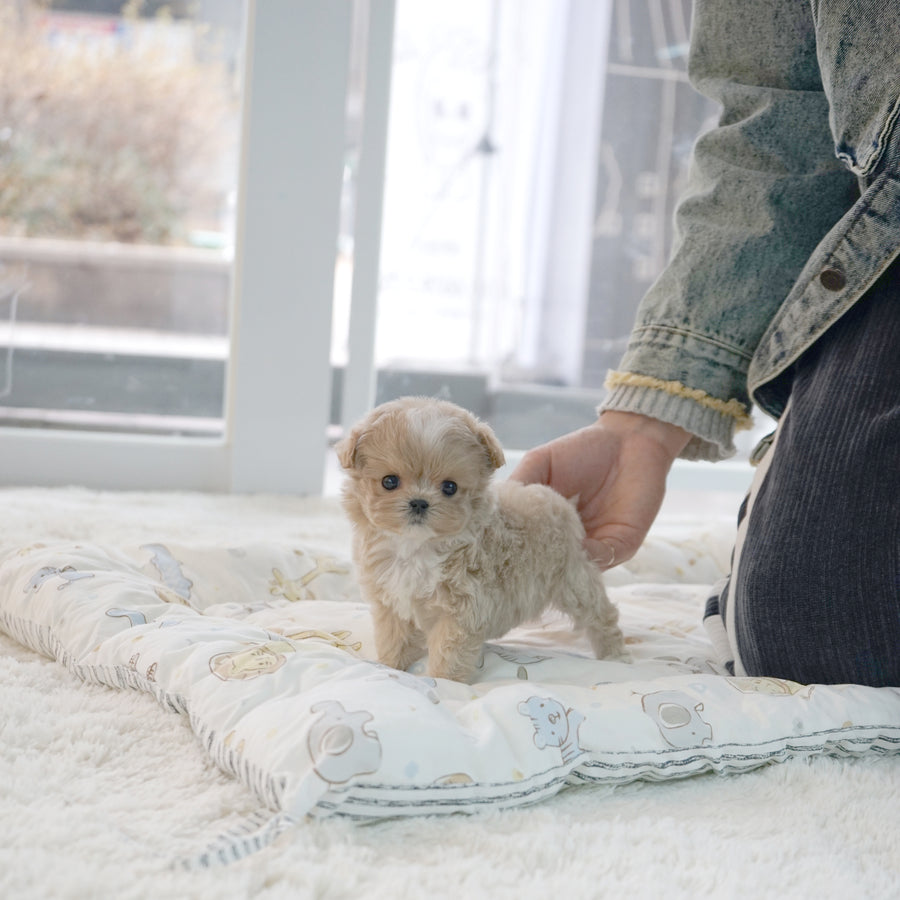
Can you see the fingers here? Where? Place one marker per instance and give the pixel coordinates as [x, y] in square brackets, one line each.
[610, 551]
[603, 553]
[617, 469]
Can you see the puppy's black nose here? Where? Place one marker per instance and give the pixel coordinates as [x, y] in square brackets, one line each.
[418, 507]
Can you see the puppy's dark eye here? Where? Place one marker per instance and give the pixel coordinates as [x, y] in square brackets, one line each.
[448, 488]
[390, 482]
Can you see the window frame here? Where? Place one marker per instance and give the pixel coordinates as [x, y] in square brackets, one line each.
[278, 385]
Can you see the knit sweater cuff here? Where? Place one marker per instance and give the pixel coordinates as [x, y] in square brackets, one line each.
[712, 422]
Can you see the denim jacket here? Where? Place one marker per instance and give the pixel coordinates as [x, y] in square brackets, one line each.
[791, 212]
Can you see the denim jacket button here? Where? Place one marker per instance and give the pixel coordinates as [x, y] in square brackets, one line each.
[833, 279]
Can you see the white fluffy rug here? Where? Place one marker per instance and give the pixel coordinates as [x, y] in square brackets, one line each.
[102, 789]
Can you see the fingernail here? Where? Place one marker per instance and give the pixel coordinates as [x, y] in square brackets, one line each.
[608, 558]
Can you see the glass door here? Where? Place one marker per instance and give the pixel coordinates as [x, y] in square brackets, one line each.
[170, 182]
[119, 138]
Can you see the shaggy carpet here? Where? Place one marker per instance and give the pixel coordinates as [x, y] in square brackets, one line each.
[100, 790]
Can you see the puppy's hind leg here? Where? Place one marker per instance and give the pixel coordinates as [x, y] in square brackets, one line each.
[397, 641]
[596, 615]
[604, 633]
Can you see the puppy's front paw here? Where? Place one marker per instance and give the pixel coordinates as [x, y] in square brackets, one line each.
[402, 658]
[452, 670]
[398, 642]
[401, 654]
[452, 652]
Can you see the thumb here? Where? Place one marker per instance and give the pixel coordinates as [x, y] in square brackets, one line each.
[534, 468]
[613, 549]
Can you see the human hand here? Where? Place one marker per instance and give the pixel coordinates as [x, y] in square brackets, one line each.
[617, 469]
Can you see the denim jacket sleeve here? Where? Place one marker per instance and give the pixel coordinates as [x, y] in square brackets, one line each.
[765, 186]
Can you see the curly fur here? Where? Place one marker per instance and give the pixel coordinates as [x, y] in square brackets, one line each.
[446, 569]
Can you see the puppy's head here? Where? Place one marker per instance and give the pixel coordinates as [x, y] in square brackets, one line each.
[418, 466]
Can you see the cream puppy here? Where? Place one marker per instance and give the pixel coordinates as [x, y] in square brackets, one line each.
[448, 560]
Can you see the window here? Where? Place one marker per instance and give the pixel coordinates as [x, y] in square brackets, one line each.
[463, 198]
[118, 147]
[291, 127]
[535, 152]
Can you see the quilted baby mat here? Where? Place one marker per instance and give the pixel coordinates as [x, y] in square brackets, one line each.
[269, 651]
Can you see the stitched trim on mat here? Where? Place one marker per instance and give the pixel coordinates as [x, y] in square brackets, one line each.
[734, 409]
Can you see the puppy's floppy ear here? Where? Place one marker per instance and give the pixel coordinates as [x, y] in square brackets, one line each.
[350, 450]
[347, 447]
[488, 440]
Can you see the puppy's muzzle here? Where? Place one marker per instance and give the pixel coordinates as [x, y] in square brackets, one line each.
[418, 510]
